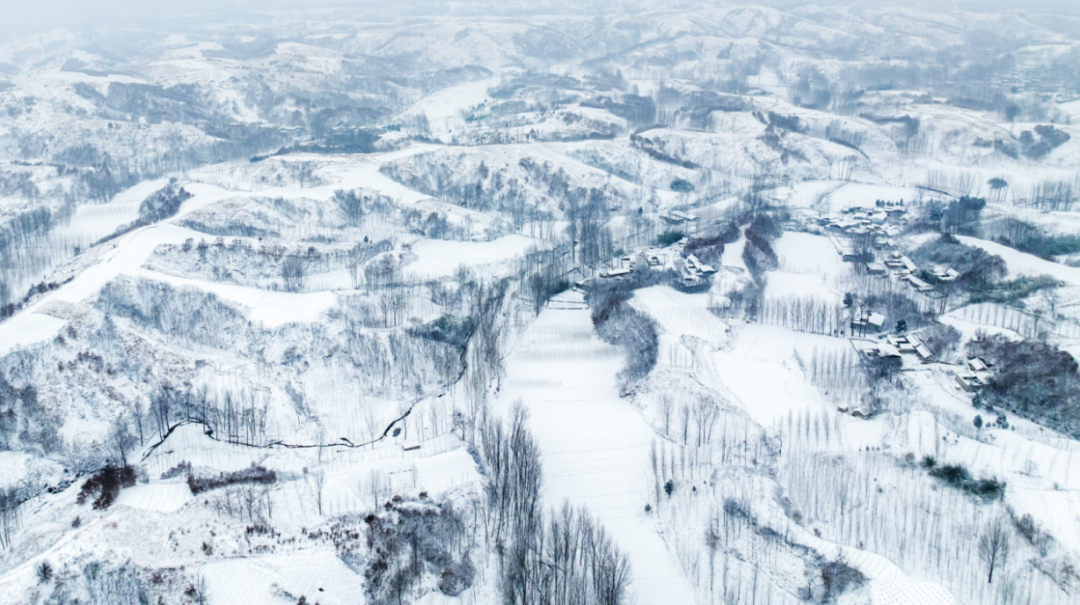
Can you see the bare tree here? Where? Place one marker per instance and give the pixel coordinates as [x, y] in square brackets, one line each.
[377, 486]
[705, 413]
[666, 408]
[994, 548]
[121, 438]
[684, 419]
[320, 482]
[293, 269]
[305, 174]
[712, 541]
[137, 413]
[9, 514]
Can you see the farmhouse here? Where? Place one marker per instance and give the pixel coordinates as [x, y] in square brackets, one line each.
[971, 382]
[868, 321]
[692, 262]
[689, 279]
[945, 275]
[885, 350]
[975, 376]
[918, 284]
[652, 259]
[615, 272]
[885, 243]
[680, 219]
[910, 344]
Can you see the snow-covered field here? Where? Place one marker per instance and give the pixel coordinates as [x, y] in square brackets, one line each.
[1021, 263]
[595, 445]
[436, 258]
[294, 360]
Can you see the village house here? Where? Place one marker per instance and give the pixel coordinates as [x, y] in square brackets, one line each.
[615, 272]
[654, 259]
[918, 284]
[697, 266]
[909, 265]
[975, 375]
[900, 263]
[887, 351]
[866, 321]
[945, 275]
[885, 243]
[910, 344]
[676, 218]
[689, 278]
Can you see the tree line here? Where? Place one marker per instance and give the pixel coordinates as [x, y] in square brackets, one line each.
[567, 558]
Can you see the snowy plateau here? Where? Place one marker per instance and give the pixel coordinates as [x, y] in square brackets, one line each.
[541, 303]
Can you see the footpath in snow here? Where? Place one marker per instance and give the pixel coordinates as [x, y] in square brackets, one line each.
[595, 446]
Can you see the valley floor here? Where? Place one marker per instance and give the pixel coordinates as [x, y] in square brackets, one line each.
[595, 445]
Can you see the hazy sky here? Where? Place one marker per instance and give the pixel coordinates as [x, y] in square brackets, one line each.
[67, 12]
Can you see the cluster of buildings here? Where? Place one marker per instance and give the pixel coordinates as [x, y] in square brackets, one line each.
[885, 223]
[906, 270]
[860, 233]
[975, 375]
[693, 271]
[863, 321]
[859, 237]
[619, 267]
[895, 346]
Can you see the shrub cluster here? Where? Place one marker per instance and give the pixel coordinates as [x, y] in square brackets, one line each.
[682, 186]
[837, 576]
[978, 269]
[183, 468]
[164, 203]
[1031, 239]
[254, 474]
[709, 248]
[105, 485]
[940, 338]
[758, 254]
[1013, 290]
[958, 476]
[412, 538]
[1033, 379]
[669, 237]
[622, 325]
[959, 216]
[449, 329]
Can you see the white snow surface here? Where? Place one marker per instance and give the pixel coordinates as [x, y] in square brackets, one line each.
[595, 445]
[320, 576]
[165, 497]
[1022, 263]
[440, 258]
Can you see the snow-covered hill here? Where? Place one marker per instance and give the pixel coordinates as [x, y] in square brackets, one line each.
[520, 304]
